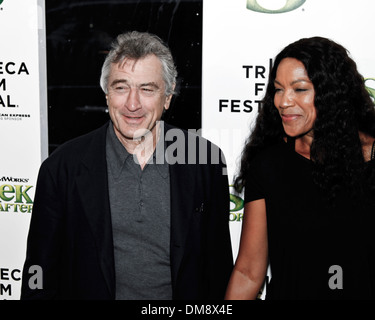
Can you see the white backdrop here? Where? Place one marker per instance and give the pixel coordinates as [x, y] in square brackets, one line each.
[23, 130]
[240, 37]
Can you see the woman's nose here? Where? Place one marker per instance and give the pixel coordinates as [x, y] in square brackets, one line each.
[286, 100]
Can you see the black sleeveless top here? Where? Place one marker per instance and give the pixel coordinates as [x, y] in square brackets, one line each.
[315, 251]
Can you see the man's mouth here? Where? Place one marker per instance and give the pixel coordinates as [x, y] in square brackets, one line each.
[133, 118]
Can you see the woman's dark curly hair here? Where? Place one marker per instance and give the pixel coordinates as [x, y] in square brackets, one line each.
[344, 108]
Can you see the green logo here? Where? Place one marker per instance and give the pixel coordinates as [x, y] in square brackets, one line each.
[237, 201]
[14, 198]
[237, 204]
[1, 1]
[370, 90]
[290, 5]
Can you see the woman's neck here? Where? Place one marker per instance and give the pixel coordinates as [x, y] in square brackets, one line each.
[367, 142]
[302, 144]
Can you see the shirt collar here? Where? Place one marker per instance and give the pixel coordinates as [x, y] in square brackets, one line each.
[117, 150]
[120, 155]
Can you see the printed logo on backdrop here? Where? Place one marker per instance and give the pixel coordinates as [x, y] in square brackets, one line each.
[370, 89]
[236, 206]
[9, 108]
[8, 276]
[15, 195]
[11, 277]
[274, 6]
[256, 75]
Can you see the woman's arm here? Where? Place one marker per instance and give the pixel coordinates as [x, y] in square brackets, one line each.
[251, 265]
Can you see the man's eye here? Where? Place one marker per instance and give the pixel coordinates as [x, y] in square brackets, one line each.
[148, 91]
[120, 88]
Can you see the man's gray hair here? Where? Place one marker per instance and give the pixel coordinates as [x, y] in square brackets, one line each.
[137, 45]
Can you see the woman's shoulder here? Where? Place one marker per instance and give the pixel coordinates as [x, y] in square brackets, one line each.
[268, 159]
[273, 151]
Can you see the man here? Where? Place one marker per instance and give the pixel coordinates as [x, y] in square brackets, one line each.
[136, 209]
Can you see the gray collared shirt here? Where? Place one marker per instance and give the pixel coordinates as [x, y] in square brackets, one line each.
[140, 211]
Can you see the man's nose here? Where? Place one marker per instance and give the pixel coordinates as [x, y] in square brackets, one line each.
[133, 101]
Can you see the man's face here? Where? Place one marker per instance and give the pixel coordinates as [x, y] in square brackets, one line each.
[136, 97]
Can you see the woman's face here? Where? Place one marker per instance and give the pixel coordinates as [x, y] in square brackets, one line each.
[294, 98]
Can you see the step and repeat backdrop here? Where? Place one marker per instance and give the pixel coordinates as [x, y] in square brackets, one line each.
[240, 40]
[23, 130]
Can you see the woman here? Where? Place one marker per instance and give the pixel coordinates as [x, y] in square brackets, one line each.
[308, 170]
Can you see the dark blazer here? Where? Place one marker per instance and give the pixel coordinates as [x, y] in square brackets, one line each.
[70, 234]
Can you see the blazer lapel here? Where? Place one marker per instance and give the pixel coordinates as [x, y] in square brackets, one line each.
[93, 191]
[182, 207]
